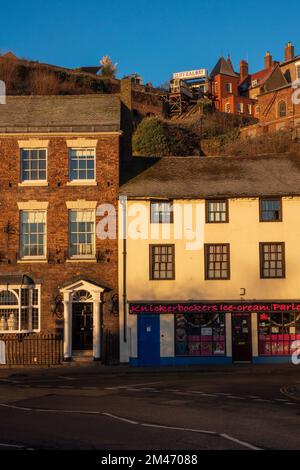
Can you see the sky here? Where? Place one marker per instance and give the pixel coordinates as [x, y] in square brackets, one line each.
[153, 38]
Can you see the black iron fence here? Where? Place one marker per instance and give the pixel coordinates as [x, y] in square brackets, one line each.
[23, 349]
[110, 349]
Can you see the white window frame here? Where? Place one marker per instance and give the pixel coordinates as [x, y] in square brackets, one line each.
[81, 257]
[254, 83]
[30, 257]
[229, 87]
[240, 108]
[297, 65]
[79, 182]
[19, 307]
[161, 212]
[33, 182]
[227, 108]
[249, 109]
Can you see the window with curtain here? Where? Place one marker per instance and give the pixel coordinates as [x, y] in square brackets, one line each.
[271, 210]
[33, 234]
[82, 233]
[161, 212]
[217, 211]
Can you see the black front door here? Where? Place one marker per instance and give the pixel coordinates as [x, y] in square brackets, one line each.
[82, 326]
[241, 338]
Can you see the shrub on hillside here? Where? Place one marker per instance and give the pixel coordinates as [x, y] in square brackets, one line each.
[278, 142]
[150, 139]
[182, 141]
[215, 124]
[156, 138]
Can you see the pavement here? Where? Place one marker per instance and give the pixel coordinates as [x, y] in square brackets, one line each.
[77, 368]
[239, 407]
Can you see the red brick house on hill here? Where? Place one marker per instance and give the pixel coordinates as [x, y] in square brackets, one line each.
[227, 96]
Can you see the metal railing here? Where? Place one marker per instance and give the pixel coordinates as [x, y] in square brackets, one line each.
[20, 349]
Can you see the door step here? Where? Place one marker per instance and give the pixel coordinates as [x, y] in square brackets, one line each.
[82, 356]
[242, 362]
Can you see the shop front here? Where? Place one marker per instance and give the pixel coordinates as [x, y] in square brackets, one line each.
[182, 333]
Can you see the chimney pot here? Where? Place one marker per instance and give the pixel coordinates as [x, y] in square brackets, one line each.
[289, 52]
[268, 60]
[244, 70]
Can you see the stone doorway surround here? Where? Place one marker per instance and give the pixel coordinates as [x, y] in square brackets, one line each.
[70, 294]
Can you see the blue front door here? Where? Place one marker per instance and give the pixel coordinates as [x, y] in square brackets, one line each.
[148, 340]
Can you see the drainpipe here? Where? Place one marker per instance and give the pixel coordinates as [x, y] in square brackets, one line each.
[123, 202]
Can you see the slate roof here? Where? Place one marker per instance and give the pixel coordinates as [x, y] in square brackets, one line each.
[223, 67]
[213, 177]
[16, 279]
[260, 76]
[72, 113]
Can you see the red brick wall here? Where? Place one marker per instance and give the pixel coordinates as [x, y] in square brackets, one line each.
[55, 273]
[223, 97]
[268, 105]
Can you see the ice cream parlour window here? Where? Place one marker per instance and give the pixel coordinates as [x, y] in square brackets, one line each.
[200, 334]
[277, 332]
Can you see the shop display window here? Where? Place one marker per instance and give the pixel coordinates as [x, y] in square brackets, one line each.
[200, 334]
[277, 332]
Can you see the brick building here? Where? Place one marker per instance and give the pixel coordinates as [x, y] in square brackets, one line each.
[59, 160]
[226, 92]
[275, 108]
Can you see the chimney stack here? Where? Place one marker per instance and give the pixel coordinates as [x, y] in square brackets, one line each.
[289, 52]
[268, 60]
[244, 70]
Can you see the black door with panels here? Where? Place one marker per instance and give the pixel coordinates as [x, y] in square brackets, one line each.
[82, 326]
[241, 338]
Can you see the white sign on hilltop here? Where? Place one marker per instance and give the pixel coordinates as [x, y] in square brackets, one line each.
[191, 74]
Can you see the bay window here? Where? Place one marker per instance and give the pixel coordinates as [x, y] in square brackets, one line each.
[19, 309]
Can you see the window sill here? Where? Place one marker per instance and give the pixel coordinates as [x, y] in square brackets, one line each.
[18, 332]
[26, 184]
[270, 221]
[81, 260]
[32, 260]
[82, 183]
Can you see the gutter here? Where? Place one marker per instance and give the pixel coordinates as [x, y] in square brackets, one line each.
[123, 202]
